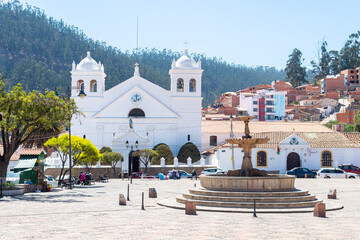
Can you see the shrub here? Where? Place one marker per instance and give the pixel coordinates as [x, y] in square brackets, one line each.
[188, 150]
[164, 151]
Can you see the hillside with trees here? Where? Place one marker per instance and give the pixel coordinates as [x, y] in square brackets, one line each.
[37, 51]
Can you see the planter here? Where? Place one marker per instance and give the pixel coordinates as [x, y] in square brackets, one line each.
[13, 192]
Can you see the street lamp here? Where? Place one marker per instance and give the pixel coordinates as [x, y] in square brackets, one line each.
[131, 155]
[232, 145]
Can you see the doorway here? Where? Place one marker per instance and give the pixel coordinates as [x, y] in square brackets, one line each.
[135, 162]
[293, 160]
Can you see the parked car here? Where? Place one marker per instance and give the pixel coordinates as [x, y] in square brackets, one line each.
[142, 175]
[184, 174]
[300, 172]
[334, 173]
[12, 177]
[350, 168]
[213, 171]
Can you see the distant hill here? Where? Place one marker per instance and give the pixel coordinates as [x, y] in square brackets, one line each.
[37, 51]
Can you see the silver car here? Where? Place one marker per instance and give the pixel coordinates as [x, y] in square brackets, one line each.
[213, 171]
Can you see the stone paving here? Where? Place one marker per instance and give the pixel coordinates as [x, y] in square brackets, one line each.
[93, 212]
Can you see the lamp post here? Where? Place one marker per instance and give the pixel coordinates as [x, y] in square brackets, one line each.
[232, 145]
[131, 155]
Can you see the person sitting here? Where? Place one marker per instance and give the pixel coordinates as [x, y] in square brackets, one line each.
[82, 177]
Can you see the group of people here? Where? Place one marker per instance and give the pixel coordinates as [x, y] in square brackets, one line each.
[85, 178]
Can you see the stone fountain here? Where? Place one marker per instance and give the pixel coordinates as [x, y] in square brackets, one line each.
[248, 178]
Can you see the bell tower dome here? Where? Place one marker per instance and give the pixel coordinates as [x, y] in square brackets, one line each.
[185, 74]
[87, 76]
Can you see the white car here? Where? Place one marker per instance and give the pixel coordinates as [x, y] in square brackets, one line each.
[213, 171]
[334, 173]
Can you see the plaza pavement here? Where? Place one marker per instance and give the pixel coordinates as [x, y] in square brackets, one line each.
[93, 212]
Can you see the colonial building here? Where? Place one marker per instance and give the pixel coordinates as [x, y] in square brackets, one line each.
[158, 115]
[286, 150]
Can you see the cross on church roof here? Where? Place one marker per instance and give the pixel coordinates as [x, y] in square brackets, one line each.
[186, 43]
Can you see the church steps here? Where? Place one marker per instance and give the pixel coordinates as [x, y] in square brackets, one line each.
[249, 199]
[248, 194]
[276, 205]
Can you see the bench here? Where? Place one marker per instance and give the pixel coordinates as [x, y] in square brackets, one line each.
[103, 178]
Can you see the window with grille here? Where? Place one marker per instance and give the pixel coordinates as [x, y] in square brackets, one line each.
[261, 159]
[326, 159]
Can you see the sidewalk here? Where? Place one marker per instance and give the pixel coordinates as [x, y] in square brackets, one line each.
[93, 212]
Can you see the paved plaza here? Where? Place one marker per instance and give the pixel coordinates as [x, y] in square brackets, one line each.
[93, 212]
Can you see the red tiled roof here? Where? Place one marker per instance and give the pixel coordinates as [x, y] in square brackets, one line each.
[31, 151]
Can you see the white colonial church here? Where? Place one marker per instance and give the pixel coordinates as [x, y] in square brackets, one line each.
[158, 115]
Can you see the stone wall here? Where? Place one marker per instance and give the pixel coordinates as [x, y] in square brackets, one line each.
[153, 170]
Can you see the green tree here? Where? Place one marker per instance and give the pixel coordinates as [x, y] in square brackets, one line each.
[350, 52]
[83, 151]
[188, 150]
[111, 159]
[357, 122]
[105, 149]
[295, 73]
[145, 156]
[321, 68]
[335, 62]
[165, 152]
[24, 115]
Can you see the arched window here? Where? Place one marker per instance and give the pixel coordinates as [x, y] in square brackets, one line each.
[213, 140]
[136, 112]
[192, 85]
[180, 85]
[326, 158]
[80, 84]
[261, 159]
[93, 86]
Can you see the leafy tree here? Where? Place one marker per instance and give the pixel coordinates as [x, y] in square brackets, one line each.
[350, 52]
[335, 62]
[24, 115]
[83, 151]
[295, 73]
[165, 152]
[112, 158]
[321, 68]
[145, 156]
[105, 149]
[188, 150]
[357, 122]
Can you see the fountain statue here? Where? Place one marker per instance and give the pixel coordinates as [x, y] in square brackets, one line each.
[247, 143]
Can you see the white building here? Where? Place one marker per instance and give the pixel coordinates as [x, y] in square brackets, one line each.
[286, 150]
[264, 105]
[159, 116]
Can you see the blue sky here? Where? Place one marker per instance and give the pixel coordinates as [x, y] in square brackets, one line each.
[251, 33]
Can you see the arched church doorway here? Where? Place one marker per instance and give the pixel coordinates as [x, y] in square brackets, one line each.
[135, 162]
[293, 160]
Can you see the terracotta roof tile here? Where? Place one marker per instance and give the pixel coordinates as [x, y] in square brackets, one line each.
[352, 136]
[315, 139]
[221, 127]
[30, 151]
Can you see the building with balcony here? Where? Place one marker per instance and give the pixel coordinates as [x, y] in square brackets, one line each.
[264, 105]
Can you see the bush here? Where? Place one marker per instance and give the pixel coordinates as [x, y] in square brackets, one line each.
[188, 150]
[164, 151]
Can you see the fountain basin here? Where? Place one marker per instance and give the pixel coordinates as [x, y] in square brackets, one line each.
[254, 184]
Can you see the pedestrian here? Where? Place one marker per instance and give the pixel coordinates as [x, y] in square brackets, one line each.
[193, 174]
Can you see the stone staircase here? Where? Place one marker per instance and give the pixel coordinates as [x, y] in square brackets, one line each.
[264, 200]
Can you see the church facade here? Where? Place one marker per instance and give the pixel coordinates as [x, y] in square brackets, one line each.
[157, 115]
